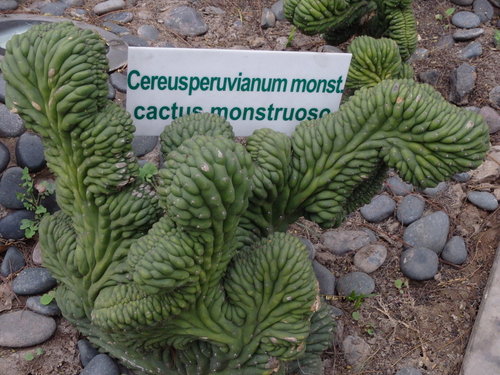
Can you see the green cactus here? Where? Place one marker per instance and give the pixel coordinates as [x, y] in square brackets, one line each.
[196, 277]
[375, 60]
[338, 20]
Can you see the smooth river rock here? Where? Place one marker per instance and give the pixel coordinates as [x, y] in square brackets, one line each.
[20, 329]
[455, 250]
[380, 208]
[36, 280]
[357, 282]
[340, 242]
[430, 231]
[419, 263]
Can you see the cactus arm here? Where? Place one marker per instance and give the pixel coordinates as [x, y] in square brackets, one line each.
[405, 125]
[57, 81]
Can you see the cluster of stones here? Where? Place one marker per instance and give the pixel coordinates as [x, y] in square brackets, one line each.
[470, 37]
[426, 241]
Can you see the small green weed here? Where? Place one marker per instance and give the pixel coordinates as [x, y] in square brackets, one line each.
[400, 284]
[148, 173]
[445, 15]
[496, 39]
[357, 300]
[291, 36]
[48, 297]
[32, 202]
[29, 356]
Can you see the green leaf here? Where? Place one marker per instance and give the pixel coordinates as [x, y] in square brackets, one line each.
[47, 298]
[398, 283]
[439, 17]
[40, 210]
[148, 171]
[356, 315]
[29, 356]
[448, 12]
[26, 223]
[39, 351]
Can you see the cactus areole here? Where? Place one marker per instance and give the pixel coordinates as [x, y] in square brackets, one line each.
[193, 274]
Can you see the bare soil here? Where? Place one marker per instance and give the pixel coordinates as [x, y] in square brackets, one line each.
[423, 324]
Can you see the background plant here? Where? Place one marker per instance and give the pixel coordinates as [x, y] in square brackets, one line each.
[32, 198]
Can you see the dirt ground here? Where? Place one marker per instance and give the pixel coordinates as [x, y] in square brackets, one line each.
[422, 324]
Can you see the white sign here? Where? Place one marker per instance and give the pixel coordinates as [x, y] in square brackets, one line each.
[251, 89]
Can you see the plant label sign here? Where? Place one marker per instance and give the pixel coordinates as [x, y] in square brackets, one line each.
[251, 89]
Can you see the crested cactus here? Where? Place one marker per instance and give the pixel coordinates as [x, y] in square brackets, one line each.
[196, 277]
[373, 61]
[338, 20]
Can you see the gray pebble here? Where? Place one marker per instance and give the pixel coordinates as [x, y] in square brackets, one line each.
[8, 5]
[135, 41]
[369, 258]
[430, 77]
[10, 186]
[101, 364]
[465, 20]
[492, 118]
[11, 124]
[462, 177]
[29, 152]
[2, 88]
[20, 329]
[4, 157]
[214, 10]
[356, 350]
[326, 279]
[116, 29]
[430, 232]
[483, 200]
[142, 144]
[311, 249]
[462, 2]
[398, 187]
[34, 304]
[87, 351]
[419, 263]
[455, 250]
[380, 208]
[268, 19]
[119, 81]
[12, 262]
[10, 224]
[344, 241]
[471, 51]
[335, 312]
[463, 81]
[278, 10]
[445, 42]
[73, 3]
[497, 4]
[494, 97]
[411, 208]
[148, 32]
[31, 281]
[109, 6]
[410, 370]
[53, 9]
[36, 256]
[186, 21]
[436, 190]
[120, 17]
[419, 55]
[462, 35]
[357, 282]
[483, 9]
[111, 91]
